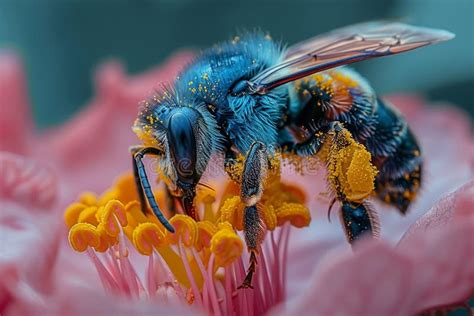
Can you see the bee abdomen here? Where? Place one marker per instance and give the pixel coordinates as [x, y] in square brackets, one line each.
[336, 95]
[390, 130]
[400, 174]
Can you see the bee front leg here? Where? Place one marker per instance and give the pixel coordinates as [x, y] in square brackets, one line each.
[143, 185]
[313, 143]
[138, 185]
[253, 177]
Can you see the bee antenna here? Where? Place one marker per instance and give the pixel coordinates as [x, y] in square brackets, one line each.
[330, 207]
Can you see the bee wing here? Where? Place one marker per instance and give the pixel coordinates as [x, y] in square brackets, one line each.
[345, 46]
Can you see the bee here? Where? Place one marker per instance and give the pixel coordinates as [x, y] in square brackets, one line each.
[250, 95]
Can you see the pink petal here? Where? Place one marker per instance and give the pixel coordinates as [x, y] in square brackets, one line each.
[79, 301]
[433, 269]
[459, 203]
[15, 120]
[25, 182]
[29, 236]
[96, 141]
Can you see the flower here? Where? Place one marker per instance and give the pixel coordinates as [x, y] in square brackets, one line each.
[43, 172]
[201, 262]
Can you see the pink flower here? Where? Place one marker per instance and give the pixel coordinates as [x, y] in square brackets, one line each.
[41, 173]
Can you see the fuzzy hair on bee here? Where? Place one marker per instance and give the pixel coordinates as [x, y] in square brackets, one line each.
[251, 97]
[153, 123]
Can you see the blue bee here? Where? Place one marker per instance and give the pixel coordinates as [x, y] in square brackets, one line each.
[250, 95]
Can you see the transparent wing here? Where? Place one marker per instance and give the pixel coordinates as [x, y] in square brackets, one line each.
[344, 46]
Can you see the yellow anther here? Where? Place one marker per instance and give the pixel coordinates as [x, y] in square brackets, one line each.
[267, 212]
[232, 212]
[206, 230]
[125, 190]
[71, 215]
[113, 215]
[135, 216]
[226, 245]
[134, 213]
[105, 240]
[83, 235]
[186, 230]
[297, 214]
[88, 198]
[88, 215]
[146, 236]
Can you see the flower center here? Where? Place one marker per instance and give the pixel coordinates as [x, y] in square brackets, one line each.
[202, 263]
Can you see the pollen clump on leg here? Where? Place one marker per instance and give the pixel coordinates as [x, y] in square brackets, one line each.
[350, 170]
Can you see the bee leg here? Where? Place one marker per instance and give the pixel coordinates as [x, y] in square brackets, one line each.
[313, 144]
[253, 231]
[138, 184]
[358, 220]
[254, 173]
[143, 185]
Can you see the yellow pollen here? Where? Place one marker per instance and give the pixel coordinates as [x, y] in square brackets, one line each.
[206, 230]
[269, 218]
[186, 230]
[88, 198]
[72, 213]
[350, 169]
[147, 236]
[226, 245]
[297, 214]
[88, 215]
[113, 215]
[82, 236]
[232, 212]
[98, 222]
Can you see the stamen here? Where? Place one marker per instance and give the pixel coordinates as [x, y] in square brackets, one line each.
[268, 215]
[71, 215]
[189, 273]
[146, 236]
[88, 215]
[105, 277]
[88, 199]
[186, 230]
[111, 216]
[83, 236]
[210, 271]
[226, 245]
[232, 212]
[206, 230]
[202, 262]
[297, 214]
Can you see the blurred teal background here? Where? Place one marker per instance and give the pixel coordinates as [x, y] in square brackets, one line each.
[63, 41]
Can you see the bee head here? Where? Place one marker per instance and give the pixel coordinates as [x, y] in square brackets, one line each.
[187, 135]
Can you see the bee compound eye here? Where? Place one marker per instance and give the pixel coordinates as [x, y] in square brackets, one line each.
[182, 145]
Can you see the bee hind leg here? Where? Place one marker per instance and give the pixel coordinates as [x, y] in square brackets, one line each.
[253, 176]
[358, 220]
[253, 231]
